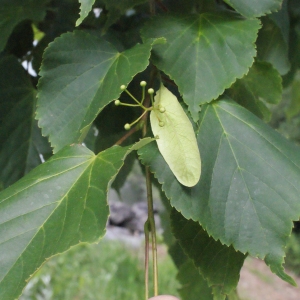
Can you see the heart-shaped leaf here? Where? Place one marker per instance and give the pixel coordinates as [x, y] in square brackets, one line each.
[175, 137]
[249, 189]
[57, 205]
[204, 54]
[81, 74]
[218, 264]
[255, 8]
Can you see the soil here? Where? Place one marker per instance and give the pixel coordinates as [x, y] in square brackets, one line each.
[257, 282]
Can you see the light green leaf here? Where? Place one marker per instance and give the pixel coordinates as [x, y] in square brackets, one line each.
[262, 84]
[21, 142]
[80, 75]
[85, 8]
[194, 286]
[249, 189]
[218, 264]
[272, 46]
[255, 8]
[57, 205]
[204, 54]
[175, 137]
[13, 12]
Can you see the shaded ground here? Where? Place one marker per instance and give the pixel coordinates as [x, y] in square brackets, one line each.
[257, 282]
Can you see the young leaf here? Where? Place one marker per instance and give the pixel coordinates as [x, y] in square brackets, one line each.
[255, 8]
[80, 75]
[85, 8]
[218, 264]
[57, 205]
[247, 168]
[13, 12]
[175, 137]
[204, 54]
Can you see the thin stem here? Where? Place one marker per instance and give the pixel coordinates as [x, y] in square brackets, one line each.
[146, 230]
[127, 104]
[137, 101]
[127, 135]
[152, 229]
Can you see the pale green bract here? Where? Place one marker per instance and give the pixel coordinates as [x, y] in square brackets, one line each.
[176, 138]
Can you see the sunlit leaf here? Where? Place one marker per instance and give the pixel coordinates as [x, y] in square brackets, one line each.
[80, 75]
[249, 189]
[204, 54]
[57, 205]
[85, 8]
[175, 137]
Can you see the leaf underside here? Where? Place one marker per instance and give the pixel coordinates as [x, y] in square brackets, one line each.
[176, 138]
[218, 264]
[248, 192]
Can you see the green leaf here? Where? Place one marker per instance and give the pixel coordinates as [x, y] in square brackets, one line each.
[175, 137]
[13, 12]
[194, 286]
[262, 84]
[117, 8]
[81, 74]
[218, 264]
[255, 8]
[272, 47]
[21, 142]
[57, 205]
[204, 54]
[293, 108]
[247, 168]
[85, 8]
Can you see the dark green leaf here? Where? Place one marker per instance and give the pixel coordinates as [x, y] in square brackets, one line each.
[294, 94]
[261, 84]
[249, 189]
[194, 286]
[255, 8]
[218, 264]
[21, 142]
[85, 8]
[81, 74]
[13, 12]
[204, 54]
[272, 47]
[57, 205]
[117, 8]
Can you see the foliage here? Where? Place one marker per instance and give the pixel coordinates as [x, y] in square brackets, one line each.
[228, 63]
[109, 270]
